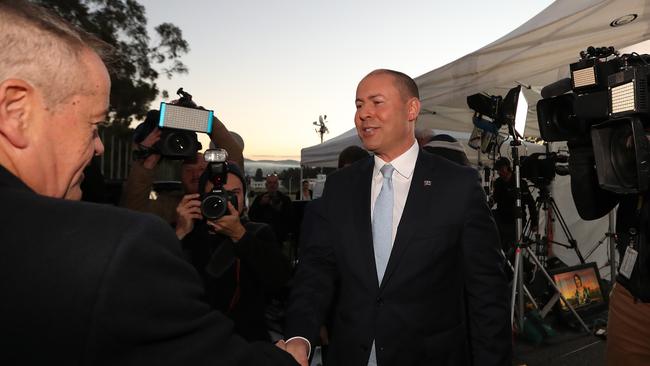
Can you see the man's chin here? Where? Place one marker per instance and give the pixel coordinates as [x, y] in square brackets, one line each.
[74, 193]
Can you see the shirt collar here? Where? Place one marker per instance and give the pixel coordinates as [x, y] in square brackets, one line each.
[404, 164]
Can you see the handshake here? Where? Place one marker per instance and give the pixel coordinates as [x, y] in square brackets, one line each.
[299, 348]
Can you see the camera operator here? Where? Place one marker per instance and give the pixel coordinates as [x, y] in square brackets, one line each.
[505, 195]
[628, 329]
[239, 260]
[139, 183]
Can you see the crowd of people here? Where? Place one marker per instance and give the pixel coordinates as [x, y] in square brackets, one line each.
[399, 260]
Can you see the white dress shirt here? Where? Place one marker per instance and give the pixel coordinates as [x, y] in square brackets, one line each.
[404, 166]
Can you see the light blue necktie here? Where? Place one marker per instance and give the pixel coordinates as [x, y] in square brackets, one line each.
[382, 222]
[382, 232]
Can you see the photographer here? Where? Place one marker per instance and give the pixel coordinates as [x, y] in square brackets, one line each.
[628, 329]
[139, 183]
[274, 208]
[238, 260]
[505, 195]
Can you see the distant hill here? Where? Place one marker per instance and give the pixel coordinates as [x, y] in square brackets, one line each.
[269, 166]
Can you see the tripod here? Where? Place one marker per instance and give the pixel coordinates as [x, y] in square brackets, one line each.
[521, 246]
[546, 202]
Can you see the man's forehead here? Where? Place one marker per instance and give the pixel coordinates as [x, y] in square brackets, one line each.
[376, 85]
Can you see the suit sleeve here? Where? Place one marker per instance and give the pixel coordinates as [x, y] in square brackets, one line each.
[149, 309]
[315, 279]
[486, 286]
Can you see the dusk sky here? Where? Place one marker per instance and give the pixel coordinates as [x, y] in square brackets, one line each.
[269, 68]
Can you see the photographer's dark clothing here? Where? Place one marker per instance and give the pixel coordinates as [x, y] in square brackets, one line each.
[276, 213]
[237, 276]
[89, 284]
[505, 197]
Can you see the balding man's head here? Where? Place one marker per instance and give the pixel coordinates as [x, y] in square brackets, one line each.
[44, 50]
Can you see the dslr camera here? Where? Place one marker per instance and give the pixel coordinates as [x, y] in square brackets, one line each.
[214, 204]
[179, 122]
[605, 102]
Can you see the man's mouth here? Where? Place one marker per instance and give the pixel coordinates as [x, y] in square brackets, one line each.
[369, 130]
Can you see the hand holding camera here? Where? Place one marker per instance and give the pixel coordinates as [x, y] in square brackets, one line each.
[152, 138]
[229, 225]
[188, 210]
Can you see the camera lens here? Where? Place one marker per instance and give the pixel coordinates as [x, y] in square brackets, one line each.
[623, 155]
[213, 206]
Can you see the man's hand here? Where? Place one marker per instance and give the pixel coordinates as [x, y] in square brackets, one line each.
[188, 210]
[299, 349]
[151, 139]
[229, 224]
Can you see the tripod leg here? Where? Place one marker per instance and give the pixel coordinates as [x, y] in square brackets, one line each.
[515, 278]
[530, 296]
[565, 229]
[557, 289]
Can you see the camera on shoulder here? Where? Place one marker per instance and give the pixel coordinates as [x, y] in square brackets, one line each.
[179, 122]
[606, 101]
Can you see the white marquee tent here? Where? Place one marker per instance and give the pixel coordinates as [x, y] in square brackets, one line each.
[533, 55]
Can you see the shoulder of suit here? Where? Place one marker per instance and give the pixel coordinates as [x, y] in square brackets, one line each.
[98, 215]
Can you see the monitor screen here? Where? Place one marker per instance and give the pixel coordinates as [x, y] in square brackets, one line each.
[580, 285]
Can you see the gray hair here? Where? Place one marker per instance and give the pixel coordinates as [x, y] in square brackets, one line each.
[44, 50]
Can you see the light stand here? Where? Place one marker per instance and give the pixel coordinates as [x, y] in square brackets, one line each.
[517, 282]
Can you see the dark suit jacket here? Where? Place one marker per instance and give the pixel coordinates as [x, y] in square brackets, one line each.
[444, 297]
[86, 284]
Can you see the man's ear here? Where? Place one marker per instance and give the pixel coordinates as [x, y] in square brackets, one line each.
[413, 109]
[16, 98]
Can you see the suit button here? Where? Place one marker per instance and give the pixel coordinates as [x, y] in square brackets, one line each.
[381, 349]
[380, 301]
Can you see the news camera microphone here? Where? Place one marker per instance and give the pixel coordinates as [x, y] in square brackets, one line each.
[556, 88]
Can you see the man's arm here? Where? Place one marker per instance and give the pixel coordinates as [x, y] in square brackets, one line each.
[314, 282]
[486, 286]
[223, 139]
[149, 309]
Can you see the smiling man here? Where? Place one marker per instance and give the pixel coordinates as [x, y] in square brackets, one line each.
[408, 239]
[85, 284]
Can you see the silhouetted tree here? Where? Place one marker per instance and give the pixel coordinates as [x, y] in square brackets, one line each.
[138, 61]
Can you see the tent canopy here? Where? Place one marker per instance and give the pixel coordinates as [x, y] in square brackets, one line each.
[326, 154]
[534, 55]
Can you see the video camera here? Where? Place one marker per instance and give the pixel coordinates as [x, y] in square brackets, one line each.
[605, 101]
[179, 123]
[541, 168]
[214, 204]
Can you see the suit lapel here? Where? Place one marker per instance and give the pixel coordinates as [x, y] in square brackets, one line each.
[417, 204]
[362, 220]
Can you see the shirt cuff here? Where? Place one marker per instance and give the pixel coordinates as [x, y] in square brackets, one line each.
[304, 339]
